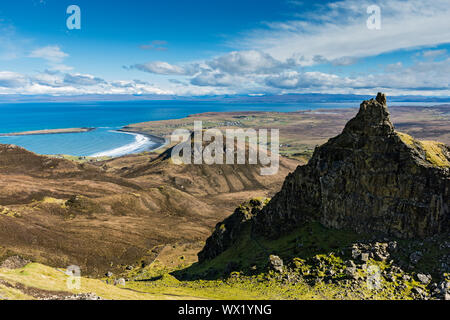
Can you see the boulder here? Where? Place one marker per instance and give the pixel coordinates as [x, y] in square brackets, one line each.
[120, 282]
[276, 263]
[425, 279]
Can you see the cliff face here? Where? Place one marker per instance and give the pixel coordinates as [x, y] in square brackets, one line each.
[367, 179]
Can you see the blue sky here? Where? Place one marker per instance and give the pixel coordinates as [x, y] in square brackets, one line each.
[200, 47]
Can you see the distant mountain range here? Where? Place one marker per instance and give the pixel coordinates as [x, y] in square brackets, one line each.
[286, 98]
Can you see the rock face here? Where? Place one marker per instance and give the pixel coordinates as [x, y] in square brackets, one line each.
[368, 179]
[228, 231]
[14, 262]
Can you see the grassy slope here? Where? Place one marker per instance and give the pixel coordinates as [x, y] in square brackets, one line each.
[310, 252]
[433, 150]
[46, 278]
[37, 276]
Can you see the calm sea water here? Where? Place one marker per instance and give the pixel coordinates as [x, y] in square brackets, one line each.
[110, 116]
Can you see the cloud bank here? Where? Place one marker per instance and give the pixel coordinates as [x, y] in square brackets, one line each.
[324, 49]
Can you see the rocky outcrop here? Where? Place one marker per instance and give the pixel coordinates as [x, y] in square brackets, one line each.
[14, 262]
[227, 232]
[369, 179]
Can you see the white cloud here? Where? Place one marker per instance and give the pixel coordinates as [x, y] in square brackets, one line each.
[52, 54]
[82, 80]
[307, 80]
[10, 79]
[60, 68]
[57, 83]
[249, 62]
[158, 45]
[334, 34]
[423, 78]
[423, 75]
[339, 30]
[160, 67]
[272, 59]
[49, 79]
[213, 78]
[433, 53]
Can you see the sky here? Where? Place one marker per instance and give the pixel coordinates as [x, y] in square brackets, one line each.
[215, 47]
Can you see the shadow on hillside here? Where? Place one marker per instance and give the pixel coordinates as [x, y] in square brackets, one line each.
[251, 256]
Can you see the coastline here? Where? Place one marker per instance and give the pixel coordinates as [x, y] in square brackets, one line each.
[144, 142]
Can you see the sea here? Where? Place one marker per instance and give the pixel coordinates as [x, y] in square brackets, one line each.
[108, 117]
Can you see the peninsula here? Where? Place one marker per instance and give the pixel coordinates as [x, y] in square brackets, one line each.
[47, 131]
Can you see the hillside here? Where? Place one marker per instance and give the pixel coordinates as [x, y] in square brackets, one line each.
[116, 213]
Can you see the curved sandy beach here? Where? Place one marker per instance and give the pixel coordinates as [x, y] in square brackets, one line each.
[143, 142]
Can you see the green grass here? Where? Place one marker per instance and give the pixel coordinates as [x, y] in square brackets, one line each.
[314, 254]
[407, 139]
[305, 242]
[273, 286]
[4, 211]
[433, 150]
[235, 288]
[43, 277]
[434, 153]
[13, 294]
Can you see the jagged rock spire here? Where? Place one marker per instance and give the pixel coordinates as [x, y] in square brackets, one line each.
[381, 98]
[372, 118]
[365, 179]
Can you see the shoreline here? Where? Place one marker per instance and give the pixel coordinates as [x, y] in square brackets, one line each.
[154, 138]
[160, 142]
[47, 131]
[140, 145]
